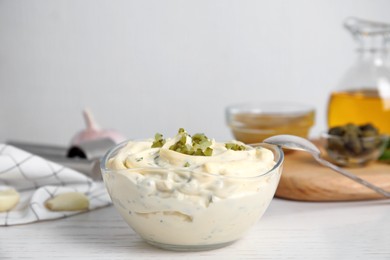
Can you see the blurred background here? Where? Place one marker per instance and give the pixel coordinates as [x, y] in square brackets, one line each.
[157, 65]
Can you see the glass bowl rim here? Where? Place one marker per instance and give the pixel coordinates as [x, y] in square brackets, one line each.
[274, 148]
[383, 137]
[278, 108]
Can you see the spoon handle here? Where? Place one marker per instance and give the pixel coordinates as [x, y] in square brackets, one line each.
[353, 177]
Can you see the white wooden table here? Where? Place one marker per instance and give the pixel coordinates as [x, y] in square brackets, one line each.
[288, 230]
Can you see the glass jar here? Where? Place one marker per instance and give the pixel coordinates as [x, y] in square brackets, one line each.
[364, 92]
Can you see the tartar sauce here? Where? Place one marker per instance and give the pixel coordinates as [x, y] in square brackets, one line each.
[174, 198]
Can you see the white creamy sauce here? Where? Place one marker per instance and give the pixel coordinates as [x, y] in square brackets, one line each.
[178, 199]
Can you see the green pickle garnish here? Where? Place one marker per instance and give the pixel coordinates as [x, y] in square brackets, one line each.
[200, 145]
[159, 141]
[235, 147]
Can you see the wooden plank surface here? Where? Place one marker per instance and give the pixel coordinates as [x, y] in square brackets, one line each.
[305, 180]
[288, 230]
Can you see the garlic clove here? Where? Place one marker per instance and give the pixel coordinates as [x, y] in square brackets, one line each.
[8, 199]
[71, 201]
[93, 131]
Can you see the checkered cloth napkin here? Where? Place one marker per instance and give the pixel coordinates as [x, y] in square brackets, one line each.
[37, 180]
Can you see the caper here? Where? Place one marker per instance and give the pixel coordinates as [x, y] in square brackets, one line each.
[338, 130]
[369, 130]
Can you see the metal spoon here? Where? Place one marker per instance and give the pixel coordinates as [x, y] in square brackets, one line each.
[301, 144]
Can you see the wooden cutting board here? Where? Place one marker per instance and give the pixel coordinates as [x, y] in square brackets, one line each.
[305, 180]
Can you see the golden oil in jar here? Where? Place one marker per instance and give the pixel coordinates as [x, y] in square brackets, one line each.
[359, 106]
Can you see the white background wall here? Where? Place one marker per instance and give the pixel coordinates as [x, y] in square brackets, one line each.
[157, 65]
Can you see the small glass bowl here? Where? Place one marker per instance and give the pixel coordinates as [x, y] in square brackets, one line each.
[353, 153]
[254, 122]
[216, 212]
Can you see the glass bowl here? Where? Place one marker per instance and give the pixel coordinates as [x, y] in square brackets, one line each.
[353, 153]
[198, 210]
[254, 122]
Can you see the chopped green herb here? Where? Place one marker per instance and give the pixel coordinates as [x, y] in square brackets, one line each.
[385, 157]
[187, 164]
[235, 147]
[139, 159]
[159, 141]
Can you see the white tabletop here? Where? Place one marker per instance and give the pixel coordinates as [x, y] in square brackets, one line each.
[288, 230]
